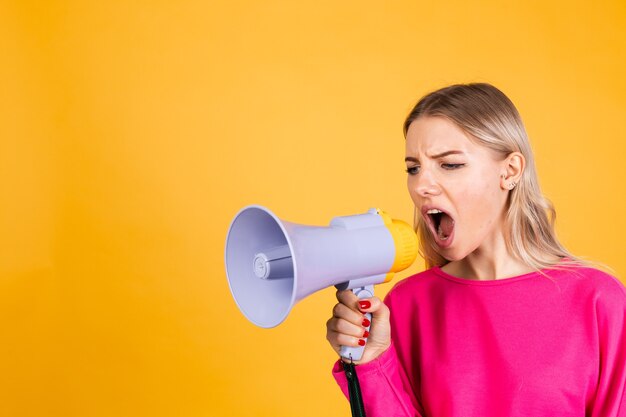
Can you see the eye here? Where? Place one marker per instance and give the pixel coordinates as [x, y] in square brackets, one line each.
[451, 166]
[412, 170]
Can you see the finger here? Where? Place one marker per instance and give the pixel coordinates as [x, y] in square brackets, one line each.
[341, 311]
[347, 328]
[339, 339]
[349, 298]
[375, 306]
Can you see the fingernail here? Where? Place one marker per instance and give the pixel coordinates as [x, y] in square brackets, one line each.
[365, 323]
[366, 333]
[364, 304]
[361, 342]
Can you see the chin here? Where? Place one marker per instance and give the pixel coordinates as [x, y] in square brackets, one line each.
[452, 254]
[450, 258]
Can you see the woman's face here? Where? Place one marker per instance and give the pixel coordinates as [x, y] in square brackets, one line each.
[448, 172]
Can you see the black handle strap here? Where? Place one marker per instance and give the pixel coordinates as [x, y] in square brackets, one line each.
[356, 400]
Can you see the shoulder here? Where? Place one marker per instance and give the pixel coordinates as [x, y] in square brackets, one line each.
[409, 295]
[598, 279]
[608, 305]
[412, 285]
[605, 288]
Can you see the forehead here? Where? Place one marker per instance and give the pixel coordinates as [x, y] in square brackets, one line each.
[434, 135]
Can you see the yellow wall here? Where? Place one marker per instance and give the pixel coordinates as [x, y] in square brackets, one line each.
[132, 131]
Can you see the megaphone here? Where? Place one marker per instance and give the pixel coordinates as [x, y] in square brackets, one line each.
[271, 264]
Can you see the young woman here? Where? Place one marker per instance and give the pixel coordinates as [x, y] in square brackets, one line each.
[505, 321]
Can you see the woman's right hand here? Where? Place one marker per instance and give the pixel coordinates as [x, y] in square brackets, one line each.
[347, 325]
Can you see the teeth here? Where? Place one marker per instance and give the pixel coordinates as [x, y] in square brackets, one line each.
[434, 211]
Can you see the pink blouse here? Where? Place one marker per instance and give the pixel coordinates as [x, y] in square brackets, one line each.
[527, 346]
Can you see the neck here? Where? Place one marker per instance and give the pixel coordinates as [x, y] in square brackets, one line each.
[489, 268]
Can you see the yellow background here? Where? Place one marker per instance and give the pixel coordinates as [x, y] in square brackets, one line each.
[132, 131]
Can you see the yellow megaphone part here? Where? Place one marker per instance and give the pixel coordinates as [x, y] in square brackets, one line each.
[405, 241]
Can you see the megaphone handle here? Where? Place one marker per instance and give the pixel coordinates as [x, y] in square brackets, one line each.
[355, 353]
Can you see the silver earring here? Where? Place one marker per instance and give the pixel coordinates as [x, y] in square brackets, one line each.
[512, 185]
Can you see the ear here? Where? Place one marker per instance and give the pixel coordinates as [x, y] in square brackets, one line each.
[512, 169]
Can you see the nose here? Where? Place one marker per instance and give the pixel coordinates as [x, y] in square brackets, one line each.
[425, 185]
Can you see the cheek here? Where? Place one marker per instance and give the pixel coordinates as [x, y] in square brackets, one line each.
[411, 188]
[479, 206]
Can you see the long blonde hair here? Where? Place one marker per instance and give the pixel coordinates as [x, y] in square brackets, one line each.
[491, 119]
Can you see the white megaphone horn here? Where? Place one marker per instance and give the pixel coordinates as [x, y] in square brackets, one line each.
[271, 264]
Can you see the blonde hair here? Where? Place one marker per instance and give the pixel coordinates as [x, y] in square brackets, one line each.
[491, 119]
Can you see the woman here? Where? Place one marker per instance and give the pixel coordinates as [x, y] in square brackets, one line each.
[505, 321]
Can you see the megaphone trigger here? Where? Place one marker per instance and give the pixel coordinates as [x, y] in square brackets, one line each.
[355, 353]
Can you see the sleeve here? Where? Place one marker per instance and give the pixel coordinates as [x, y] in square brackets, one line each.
[610, 397]
[383, 386]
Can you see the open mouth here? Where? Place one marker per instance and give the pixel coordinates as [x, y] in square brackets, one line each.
[441, 224]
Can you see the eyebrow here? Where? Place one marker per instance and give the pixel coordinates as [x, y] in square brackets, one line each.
[439, 155]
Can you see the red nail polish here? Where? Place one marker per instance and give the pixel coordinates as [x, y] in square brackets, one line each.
[366, 333]
[364, 304]
[361, 342]
[365, 323]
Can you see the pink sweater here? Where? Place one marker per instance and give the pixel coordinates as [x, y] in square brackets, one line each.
[522, 346]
